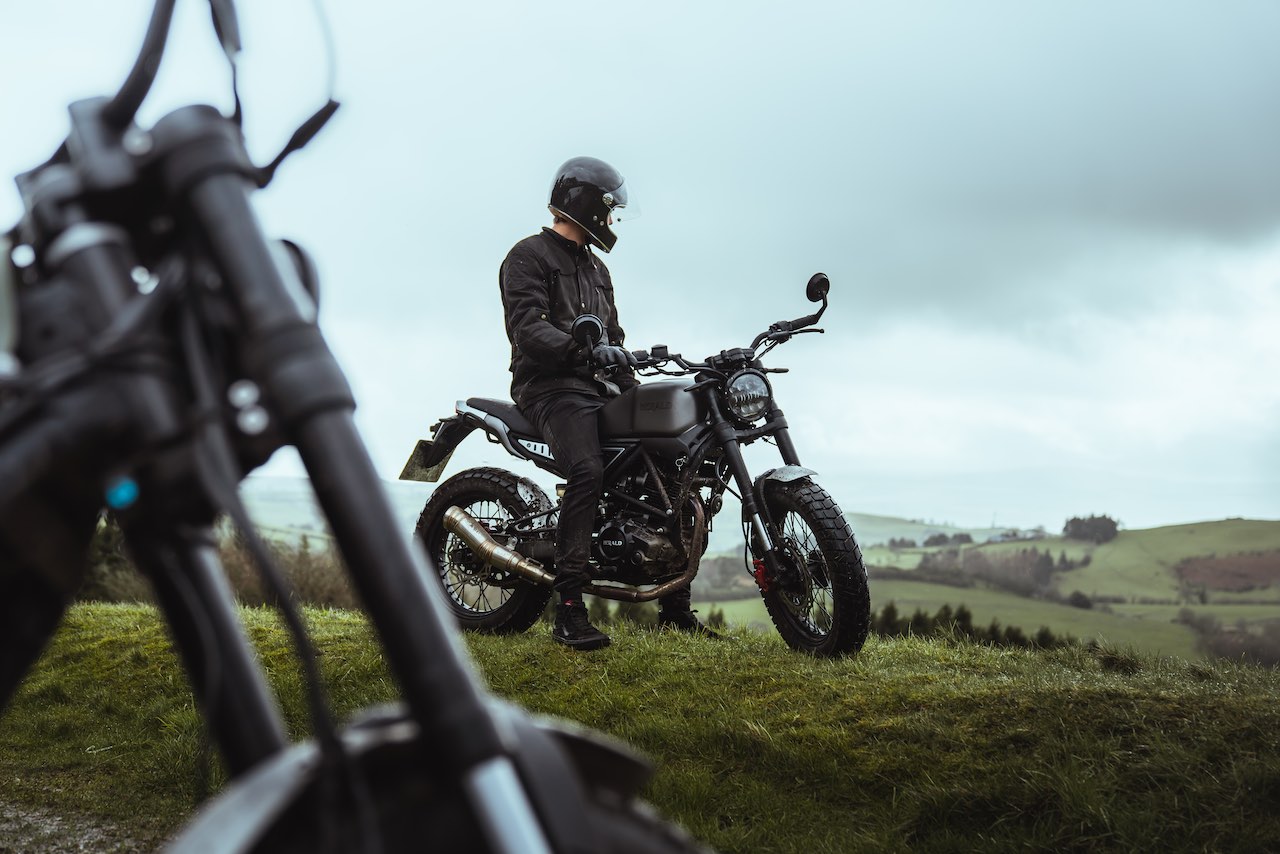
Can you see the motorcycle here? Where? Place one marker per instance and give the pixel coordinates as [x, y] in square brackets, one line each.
[155, 347]
[672, 449]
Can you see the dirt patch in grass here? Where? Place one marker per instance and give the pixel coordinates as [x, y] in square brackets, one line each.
[1248, 571]
[25, 828]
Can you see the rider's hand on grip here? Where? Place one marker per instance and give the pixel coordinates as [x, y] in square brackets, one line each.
[609, 356]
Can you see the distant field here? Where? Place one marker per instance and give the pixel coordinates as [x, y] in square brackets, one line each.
[1139, 564]
[1252, 613]
[1154, 633]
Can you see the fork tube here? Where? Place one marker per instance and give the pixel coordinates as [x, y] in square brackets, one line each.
[782, 436]
[392, 579]
[288, 357]
[184, 569]
[727, 436]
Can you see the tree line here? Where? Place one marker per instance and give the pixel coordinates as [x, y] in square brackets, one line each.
[957, 623]
[1094, 529]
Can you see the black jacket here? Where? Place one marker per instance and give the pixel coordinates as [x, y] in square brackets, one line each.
[547, 280]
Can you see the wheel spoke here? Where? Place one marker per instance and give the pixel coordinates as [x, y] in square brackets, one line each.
[466, 578]
[812, 603]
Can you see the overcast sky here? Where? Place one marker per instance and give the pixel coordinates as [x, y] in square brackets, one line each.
[1052, 229]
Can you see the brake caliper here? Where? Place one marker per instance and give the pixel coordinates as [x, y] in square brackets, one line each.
[760, 574]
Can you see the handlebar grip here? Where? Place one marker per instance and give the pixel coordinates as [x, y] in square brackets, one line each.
[73, 427]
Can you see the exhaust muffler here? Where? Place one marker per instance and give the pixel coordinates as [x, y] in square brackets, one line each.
[464, 525]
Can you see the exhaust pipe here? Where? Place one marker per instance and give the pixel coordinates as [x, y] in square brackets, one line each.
[461, 523]
[489, 550]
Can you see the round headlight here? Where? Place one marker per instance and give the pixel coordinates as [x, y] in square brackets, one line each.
[748, 395]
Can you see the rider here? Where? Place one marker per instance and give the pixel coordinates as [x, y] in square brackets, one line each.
[547, 280]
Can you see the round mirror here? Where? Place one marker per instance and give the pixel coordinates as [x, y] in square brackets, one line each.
[587, 329]
[817, 288]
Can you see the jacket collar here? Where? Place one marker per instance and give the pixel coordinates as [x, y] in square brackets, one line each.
[565, 243]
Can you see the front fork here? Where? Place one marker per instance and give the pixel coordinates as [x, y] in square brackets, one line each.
[763, 548]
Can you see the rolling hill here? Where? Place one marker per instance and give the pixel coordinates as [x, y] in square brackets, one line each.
[1134, 578]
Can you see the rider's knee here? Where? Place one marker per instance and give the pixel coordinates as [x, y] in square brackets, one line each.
[587, 473]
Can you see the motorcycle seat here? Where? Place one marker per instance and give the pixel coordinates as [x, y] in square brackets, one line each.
[505, 411]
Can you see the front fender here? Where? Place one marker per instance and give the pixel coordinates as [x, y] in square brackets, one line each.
[562, 768]
[782, 474]
[233, 822]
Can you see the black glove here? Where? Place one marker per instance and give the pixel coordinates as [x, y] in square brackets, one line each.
[609, 356]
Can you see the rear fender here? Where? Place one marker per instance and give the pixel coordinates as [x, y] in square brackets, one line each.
[430, 456]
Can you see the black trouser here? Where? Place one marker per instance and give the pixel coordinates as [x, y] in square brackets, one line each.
[569, 422]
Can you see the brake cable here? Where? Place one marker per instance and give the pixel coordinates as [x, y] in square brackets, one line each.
[312, 126]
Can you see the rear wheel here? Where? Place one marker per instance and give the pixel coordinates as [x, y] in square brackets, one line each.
[820, 603]
[484, 598]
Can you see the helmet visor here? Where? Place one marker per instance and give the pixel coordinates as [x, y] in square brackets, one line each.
[620, 204]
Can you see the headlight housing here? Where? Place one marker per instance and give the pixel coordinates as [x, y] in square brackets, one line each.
[748, 395]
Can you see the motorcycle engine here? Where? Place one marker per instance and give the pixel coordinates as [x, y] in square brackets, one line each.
[625, 542]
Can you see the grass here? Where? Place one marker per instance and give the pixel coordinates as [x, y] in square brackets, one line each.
[914, 745]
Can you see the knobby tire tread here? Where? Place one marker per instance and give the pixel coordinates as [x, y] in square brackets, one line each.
[851, 599]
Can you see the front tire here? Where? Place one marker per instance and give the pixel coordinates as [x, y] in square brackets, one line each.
[481, 597]
[820, 604]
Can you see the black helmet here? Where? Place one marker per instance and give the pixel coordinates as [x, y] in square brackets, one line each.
[586, 192]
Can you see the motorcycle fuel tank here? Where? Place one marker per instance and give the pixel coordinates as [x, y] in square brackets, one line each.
[661, 408]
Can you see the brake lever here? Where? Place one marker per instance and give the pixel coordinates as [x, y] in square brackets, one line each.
[782, 336]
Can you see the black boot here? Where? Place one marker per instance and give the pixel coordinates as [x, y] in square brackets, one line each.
[573, 629]
[674, 612]
[685, 620]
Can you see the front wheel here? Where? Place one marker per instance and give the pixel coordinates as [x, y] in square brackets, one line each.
[483, 598]
[382, 797]
[819, 603]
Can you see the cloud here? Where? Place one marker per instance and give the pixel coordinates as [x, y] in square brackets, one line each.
[1053, 230]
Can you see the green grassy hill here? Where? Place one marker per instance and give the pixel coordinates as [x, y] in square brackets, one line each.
[1139, 564]
[1136, 564]
[915, 745]
[1134, 573]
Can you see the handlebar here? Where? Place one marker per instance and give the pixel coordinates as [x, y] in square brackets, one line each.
[659, 356]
